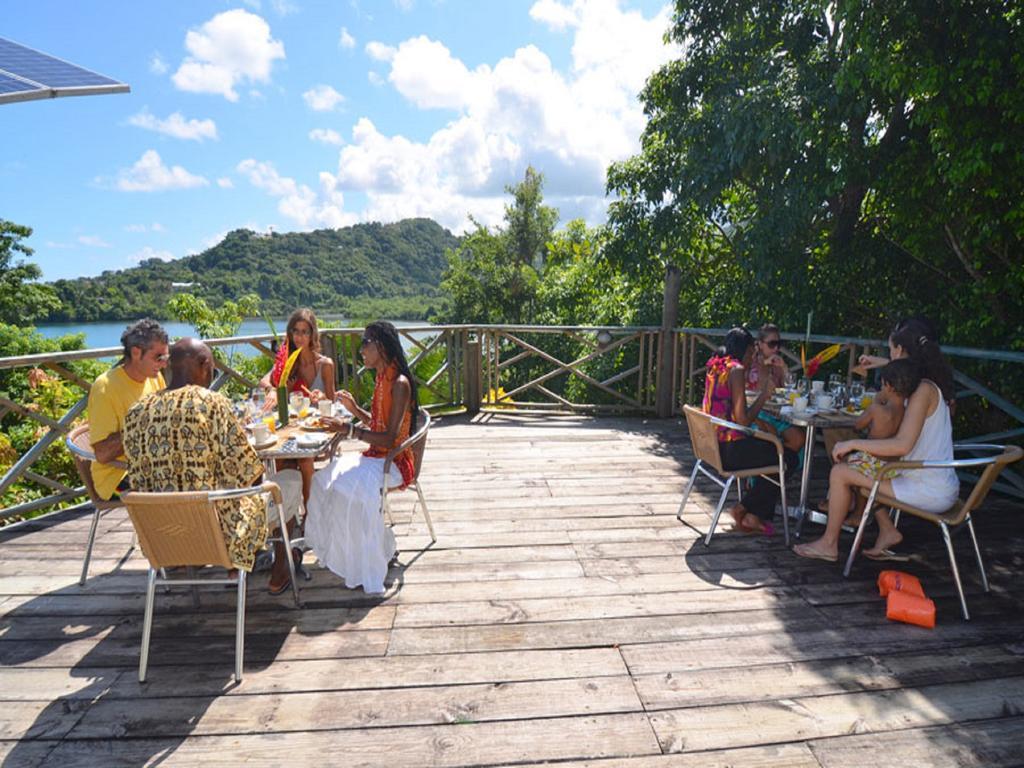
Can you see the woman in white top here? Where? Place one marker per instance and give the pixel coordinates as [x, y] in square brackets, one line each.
[925, 434]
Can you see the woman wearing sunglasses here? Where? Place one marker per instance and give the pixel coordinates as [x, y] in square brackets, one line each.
[344, 525]
[768, 358]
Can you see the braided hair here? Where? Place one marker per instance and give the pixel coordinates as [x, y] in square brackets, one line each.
[386, 336]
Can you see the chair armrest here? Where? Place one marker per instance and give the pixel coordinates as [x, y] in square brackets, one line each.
[267, 486]
[748, 431]
[912, 465]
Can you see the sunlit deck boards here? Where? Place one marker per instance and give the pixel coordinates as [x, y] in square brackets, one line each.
[563, 615]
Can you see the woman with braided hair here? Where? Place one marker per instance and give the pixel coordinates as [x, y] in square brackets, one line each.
[344, 525]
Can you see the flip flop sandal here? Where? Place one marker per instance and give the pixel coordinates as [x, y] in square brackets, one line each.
[887, 555]
[811, 555]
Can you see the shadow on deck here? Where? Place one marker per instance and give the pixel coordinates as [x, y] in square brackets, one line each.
[563, 615]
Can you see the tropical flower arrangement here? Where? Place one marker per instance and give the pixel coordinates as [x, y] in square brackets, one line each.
[283, 364]
[811, 366]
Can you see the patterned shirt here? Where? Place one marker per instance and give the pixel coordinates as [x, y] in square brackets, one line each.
[718, 395]
[188, 439]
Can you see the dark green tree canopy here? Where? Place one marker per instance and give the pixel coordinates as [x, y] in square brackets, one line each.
[865, 160]
[22, 300]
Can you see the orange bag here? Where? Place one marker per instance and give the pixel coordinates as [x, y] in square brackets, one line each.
[898, 581]
[910, 609]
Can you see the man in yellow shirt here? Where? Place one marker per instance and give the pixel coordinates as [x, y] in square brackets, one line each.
[114, 392]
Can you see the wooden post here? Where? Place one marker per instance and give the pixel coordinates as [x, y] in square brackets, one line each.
[471, 364]
[666, 345]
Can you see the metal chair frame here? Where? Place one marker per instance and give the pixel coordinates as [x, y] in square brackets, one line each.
[78, 445]
[417, 442]
[706, 451]
[958, 514]
[210, 546]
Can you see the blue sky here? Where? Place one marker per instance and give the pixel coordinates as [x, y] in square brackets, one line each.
[303, 114]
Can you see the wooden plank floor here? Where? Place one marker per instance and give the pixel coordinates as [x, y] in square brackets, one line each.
[563, 616]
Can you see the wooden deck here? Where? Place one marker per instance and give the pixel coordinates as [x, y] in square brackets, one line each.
[564, 616]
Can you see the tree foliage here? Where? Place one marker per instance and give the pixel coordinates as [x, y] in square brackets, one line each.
[861, 159]
[22, 300]
[347, 271]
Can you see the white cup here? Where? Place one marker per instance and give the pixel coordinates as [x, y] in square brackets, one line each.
[799, 404]
[304, 403]
[260, 433]
[326, 407]
[817, 386]
[823, 401]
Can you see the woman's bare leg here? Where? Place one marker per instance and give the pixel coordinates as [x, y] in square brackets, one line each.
[888, 535]
[841, 484]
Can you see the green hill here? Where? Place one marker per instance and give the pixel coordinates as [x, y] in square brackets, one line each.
[366, 268]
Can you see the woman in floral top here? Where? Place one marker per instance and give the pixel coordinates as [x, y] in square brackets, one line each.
[724, 397]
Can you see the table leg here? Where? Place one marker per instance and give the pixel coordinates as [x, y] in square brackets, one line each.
[805, 480]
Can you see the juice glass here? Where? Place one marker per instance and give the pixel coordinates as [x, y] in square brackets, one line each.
[271, 423]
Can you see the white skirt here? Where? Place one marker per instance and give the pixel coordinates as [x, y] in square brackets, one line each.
[345, 526]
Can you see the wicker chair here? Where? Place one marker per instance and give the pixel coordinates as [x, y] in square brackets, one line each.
[80, 448]
[183, 529]
[704, 438]
[959, 514]
[417, 442]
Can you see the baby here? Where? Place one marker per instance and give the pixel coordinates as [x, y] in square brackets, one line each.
[883, 417]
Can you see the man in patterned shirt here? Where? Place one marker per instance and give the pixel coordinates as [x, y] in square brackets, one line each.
[186, 438]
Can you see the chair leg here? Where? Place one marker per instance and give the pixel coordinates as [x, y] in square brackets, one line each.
[386, 505]
[689, 487]
[286, 541]
[88, 547]
[147, 624]
[426, 512]
[240, 627]
[739, 491]
[977, 554]
[859, 537]
[190, 573]
[718, 511]
[895, 517]
[956, 571]
[782, 492]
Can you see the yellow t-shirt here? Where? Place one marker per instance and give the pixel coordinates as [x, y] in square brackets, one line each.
[110, 397]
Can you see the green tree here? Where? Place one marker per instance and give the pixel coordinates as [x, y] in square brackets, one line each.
[22, 300]
[857, 158]
[529, 223]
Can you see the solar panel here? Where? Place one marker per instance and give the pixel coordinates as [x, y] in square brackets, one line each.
[27, 74]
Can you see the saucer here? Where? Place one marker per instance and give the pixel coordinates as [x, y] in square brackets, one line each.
[269, 443]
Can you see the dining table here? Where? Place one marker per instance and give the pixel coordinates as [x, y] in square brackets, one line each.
[810, 420]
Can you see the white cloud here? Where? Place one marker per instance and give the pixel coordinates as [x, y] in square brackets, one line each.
[157, 65]
[345, 39]
[156, 226]
[379, 51]
[175, 125]
[375, 79]
[93, 241]
[233, 47]
[322, 98]
[284, 7]
[326, 136]
[405, 5]
[150, 253]
[56, 245]
[554, 14]
[225, 183]
[569, 124]
[149, 174]
[298, 202]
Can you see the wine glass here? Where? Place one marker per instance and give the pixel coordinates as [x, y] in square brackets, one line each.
[856, 392]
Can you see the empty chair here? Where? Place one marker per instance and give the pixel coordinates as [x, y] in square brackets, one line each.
[183, 529]
[959, 514]
[416, 442]
[704, 438]
[78, 445]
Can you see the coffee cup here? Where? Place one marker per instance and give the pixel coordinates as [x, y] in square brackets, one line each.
[817, 386]
[326, 407]
[260, 434]
[799, 404]
[823, 401]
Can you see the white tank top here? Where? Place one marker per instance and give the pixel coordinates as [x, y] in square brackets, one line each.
[933, 490]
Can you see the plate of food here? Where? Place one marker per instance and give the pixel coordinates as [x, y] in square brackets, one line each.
[310, 423]
[852, 410]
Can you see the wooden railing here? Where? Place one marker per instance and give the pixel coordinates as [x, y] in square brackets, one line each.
[588, 369]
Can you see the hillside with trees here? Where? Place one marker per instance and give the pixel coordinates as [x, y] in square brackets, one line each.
[344, 271]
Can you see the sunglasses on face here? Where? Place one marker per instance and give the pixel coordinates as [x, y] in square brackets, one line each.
[161, 358]
[365, 342]
[773, 344]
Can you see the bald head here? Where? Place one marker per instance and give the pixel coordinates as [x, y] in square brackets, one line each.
[191, 363]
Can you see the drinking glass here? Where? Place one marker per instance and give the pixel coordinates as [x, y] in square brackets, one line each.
[856, 392]
[834, 382]
[803, 386]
